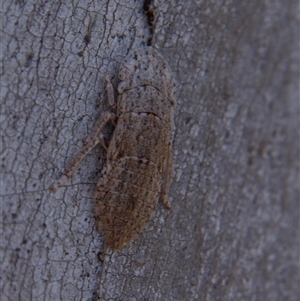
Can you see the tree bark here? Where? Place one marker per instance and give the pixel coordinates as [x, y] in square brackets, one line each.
[233, 231]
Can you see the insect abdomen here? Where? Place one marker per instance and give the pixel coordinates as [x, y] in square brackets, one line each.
[126, 197]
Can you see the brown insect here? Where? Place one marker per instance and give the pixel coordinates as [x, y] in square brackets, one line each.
[139, 166]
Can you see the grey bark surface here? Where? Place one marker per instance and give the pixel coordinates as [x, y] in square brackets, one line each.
[233, 232]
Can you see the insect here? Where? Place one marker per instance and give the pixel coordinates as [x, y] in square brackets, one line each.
[139, 167]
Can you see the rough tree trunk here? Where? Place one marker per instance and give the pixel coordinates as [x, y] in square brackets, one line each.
[233, 231]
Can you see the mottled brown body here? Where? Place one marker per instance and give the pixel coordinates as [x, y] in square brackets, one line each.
[139, 160]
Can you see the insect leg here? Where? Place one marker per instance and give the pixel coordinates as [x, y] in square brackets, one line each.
[110, 92]
[97, 138]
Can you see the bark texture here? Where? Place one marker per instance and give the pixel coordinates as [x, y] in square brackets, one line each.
[233, 232]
